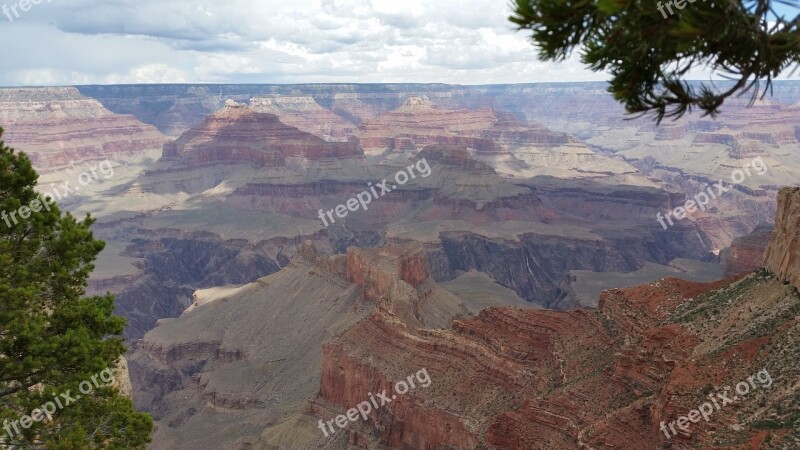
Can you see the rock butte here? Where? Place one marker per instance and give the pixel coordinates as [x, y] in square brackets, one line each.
[236, 133]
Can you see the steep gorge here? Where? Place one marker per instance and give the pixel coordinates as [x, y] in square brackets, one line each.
[603, 379]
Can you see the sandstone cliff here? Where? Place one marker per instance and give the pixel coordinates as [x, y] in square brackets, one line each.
[59, 127]
[783, 254]
[517, 379]
[746, 253]
[607, 378]
[506, 378]
[306, 114]
[236, 133]
[250, 358]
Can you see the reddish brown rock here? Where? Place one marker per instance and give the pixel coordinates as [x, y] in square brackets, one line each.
[419, 122]
[376, 271]
[783, 255]
[59, 127]
[238, 134]
[306, 114]
[746, 253]
[508, 378]
[524, 379]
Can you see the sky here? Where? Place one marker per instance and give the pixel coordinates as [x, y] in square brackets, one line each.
[68, 42]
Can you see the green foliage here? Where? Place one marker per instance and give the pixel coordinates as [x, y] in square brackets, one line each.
[767, 424]
[649, 55]
[51, 337]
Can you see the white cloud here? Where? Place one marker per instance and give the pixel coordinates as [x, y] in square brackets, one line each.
[149, 73]
[292, 41]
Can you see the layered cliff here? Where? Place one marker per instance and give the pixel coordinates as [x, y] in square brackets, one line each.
[236, 133]
[506, 377]
[746, 253]
[59, 127]
[614, 378]
[197, 370]
[418, 123]
[525, 234]
[667, 156]
[220, 373]
[783, 254]
[513, 147]
[306, 114]
[618, 377]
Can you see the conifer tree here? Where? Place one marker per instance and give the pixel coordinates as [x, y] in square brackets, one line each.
[53, 337]
[650, 46]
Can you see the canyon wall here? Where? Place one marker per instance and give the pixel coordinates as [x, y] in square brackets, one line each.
[58, 127]
[783, 254]
[746, 253]
[236, 133]
[609, 378]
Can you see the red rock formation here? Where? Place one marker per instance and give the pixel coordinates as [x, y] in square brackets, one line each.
[783, 254]
[526, 379]
[58, 127]
[746, 253]
[238, 134]
[421, 122]
[418, 123]
[377, 270]
[508, 378]
[306, 114]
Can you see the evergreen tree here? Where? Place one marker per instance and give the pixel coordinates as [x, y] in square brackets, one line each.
[52, 338]
[649, 46]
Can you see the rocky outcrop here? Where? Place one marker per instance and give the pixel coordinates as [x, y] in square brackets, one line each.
[112, 284]
[237, 134]
[306, 114]
[422, 123]
[668, 132]
[58, 127]
[418, 123]
[186, 377]
[122, 378]
[376, 271]
[524, 379]
[783, 254]
[746, 253]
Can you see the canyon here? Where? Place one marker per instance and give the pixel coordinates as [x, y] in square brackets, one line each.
[527, 273]
[524, 378]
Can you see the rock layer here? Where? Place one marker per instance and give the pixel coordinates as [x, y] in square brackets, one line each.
[522, 379]
[783, 254]
[746, 253]
[59, 127]
[236, 133]
[306, 114]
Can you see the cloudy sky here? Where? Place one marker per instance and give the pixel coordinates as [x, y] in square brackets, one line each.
[62, 42]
